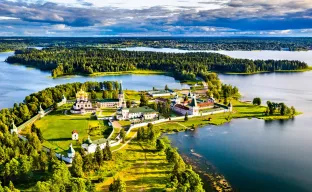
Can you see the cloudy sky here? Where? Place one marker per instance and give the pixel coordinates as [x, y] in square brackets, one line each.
[155, 17]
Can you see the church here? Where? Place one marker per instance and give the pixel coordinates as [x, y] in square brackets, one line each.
[112, 103]
[83, 104]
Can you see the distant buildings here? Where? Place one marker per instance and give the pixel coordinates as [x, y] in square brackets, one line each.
[190, 105]
[161, 93]
[137, 113]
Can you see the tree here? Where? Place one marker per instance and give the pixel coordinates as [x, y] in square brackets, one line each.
[166, 87]
[77, 166]
[117, 186]
[98, 155]
[256, 101]
[160, 145]
[155, 107]
[122, 134]
[186, 117]
[282, 108]
[128, 104]
[293, 110]
[105, 95]
[107, 154]
[93, 94]
[143, 100]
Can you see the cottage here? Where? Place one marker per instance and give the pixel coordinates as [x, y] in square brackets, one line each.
[74, 135]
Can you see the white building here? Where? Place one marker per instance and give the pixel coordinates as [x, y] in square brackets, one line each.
[82, 104]
[191, 109]
[41, 112]
[161, 93]
[74, 135]
[13, 128]
[136, 113]
[90, 147]
[113, 103]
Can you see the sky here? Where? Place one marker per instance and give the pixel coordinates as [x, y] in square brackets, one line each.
[96, 18]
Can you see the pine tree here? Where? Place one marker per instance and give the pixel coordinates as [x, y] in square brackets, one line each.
[107, 155]
[77, 166]
[98, 155]
[117, 186]
[186, 117]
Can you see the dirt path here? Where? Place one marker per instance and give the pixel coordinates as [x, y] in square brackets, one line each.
[125, 143]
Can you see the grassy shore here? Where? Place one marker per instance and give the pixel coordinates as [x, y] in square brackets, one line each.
[277, 71]
[137, 72]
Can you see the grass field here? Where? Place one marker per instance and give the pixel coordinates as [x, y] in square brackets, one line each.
[57, 128]
[141, 167]
[132, 95]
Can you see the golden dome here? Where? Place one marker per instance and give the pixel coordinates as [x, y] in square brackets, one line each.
[82, 94]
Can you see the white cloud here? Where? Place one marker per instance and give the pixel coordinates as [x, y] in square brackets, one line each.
[61, 27]
[7, 18]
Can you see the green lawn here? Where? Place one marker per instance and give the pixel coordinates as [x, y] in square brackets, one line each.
[140, 166]
[57, 128]
[132, 95]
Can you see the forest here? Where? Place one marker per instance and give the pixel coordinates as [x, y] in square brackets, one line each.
[25, 164]
[187, 43]
[184, 66]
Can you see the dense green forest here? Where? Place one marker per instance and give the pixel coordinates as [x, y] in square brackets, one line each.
[188, 43]
[184, 66]
[25, 164]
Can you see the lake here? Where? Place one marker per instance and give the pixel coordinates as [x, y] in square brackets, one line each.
[17, 81]
[256, 155]
[253, 155]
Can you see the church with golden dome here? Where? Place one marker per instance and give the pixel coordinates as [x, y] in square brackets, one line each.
[83, 104]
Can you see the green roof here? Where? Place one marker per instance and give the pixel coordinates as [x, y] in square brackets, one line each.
[99, 141]
[193, 103]
[71, 149]
[160, 91]
[142, 110]
[107, 100]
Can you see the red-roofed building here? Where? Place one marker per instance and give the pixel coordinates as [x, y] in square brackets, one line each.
[74, 135]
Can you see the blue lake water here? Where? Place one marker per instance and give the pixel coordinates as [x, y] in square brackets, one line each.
[253, 155]
[17, 81]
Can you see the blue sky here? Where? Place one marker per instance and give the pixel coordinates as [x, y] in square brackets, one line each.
[156, 17]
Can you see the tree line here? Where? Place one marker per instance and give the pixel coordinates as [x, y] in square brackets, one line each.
[184, 66]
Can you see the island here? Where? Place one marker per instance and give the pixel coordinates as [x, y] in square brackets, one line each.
[183, 66]
[98, 136]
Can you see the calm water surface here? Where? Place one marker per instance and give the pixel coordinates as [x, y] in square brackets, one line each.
[16, 81]
[255, 155]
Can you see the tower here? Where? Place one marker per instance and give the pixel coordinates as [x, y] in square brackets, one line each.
[121, 97]
[193, 106]
[41, 112]
[71, 151]
[13, 128]
[64, 100]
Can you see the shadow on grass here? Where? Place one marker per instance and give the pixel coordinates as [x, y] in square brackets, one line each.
[59, 139]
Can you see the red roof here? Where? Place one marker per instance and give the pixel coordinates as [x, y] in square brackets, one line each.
[74, 131]
[205, 104]
[161, 99]
[181, 106]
